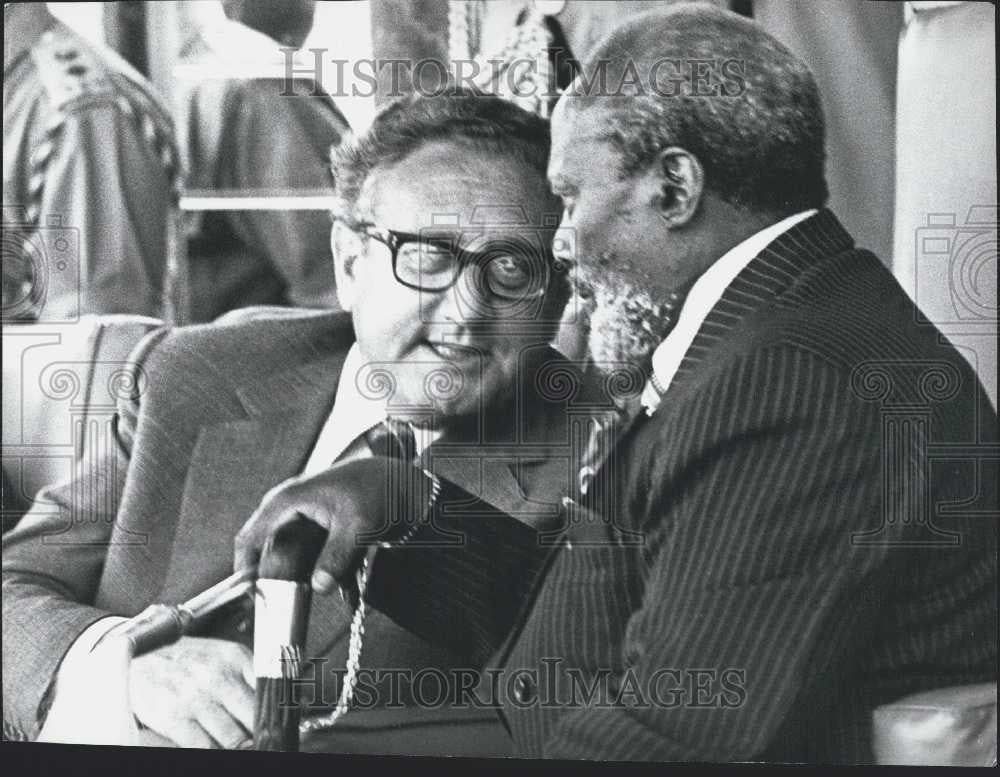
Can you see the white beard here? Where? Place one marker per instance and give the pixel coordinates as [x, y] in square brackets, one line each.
[626, 323]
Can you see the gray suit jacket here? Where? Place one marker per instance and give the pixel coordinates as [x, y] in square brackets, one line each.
[219, 415]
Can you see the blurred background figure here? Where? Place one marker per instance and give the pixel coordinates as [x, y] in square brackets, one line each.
[89, 166]
[260, 141]
[11, 507]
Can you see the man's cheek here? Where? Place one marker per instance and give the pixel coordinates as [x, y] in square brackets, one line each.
[600, 223]
[584, 241]
[496, 371]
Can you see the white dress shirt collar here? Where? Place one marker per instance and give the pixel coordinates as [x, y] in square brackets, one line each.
[352, 415]
[704, 295]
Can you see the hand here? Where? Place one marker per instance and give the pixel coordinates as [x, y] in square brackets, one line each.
[347, 500]
[197, 692]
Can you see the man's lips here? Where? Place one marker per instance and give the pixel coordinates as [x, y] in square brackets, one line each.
[456, 353]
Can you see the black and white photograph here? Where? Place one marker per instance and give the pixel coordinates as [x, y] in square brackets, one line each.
[400, 381]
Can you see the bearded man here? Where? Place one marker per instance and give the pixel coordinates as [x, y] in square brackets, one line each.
[796, 530]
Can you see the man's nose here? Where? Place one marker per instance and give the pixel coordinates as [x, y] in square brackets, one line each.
[468, 300]
[564, 245]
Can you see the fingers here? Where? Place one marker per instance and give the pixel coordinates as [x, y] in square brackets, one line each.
[343, 500]
[196, 692]
[337, 559]
[222, 727]
[237, 695]
[279, 506]
[188, 733]
[211, 727]
[205, 724]
[227, 714]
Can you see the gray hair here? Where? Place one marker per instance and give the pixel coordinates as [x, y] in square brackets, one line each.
[757, 129]
[459, 115]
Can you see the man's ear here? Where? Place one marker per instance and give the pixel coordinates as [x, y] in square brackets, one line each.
[680, 183]
[347, 247]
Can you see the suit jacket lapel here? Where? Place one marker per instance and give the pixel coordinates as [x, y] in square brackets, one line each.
[519, 464]
[235, 462]
[769, 275]
[517, 454]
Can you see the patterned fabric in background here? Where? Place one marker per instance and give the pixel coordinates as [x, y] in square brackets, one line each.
[531, 68]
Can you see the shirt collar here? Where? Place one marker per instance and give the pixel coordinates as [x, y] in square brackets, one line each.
[355, 412]
[703, 296]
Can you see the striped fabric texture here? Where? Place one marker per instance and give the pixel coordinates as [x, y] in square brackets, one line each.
[805, 529]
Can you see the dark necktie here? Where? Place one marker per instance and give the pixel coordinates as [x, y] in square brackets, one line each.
[392, 439]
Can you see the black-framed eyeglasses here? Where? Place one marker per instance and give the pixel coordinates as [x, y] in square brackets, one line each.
[509, 269]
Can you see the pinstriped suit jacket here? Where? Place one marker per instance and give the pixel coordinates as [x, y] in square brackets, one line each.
[228, 412]
[805, 529]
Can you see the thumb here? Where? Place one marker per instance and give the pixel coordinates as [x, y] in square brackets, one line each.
[337, 559]
[276, 509]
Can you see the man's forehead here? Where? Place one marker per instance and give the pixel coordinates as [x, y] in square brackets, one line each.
[579, 137]
[433, 183]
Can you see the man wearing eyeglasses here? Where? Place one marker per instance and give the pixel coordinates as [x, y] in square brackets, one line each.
[796, 567]
[442, 239]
